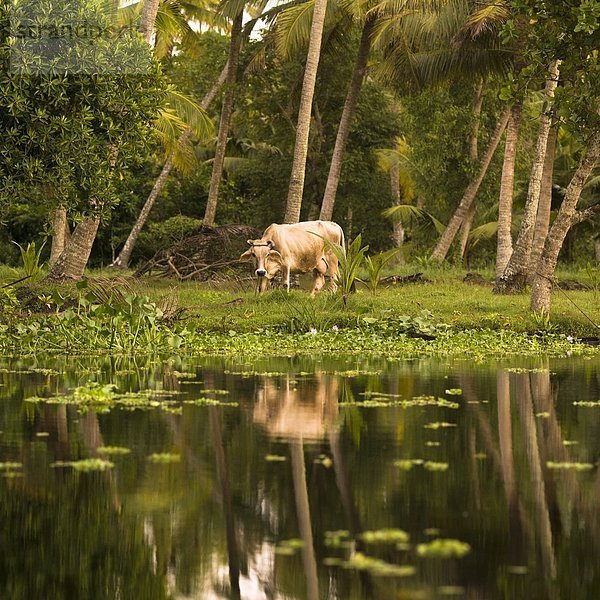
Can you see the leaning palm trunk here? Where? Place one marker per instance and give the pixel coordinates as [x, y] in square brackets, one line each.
[296, 187]
[441, 250]
[360, 68]
[474, 156]
[122, 260]
[60, 233]
[73, 259]
[542, 222]
[514, 278]
[566, 218]
[226, 112]
[505, 201]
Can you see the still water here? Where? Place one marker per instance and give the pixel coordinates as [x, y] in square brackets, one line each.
[300, 479]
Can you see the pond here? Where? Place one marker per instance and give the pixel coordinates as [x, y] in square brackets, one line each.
[297, 478]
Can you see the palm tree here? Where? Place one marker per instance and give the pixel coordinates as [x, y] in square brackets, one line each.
[348, 111]
[514, 277]
[505, 202]
[296, 187]
[568, 215]
[226, 112]
[441, 250]
[542, 222]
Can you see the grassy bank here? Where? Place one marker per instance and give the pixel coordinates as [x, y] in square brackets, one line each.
[442, 317]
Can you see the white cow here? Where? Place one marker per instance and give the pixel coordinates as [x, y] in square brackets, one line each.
[296, 248]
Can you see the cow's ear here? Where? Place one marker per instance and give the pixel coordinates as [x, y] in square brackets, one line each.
[275, 256]
[250, 242]
[270, 244]
[246, 255]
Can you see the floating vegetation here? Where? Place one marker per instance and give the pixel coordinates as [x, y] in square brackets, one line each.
[289, 547]
[433, 444]
[217, 392]
[387, 402]
[209, 402]
[385, 536]
[86, 465]
[113, 450]
[184, 375]
[443, 548]
[374, 566]
[103, 398]
[439, 425]
[247, 374]
[480, 455]
[42, 434]
[570, 442]
[523, 370]
[587, 403]
[275, 458]
[451, 590]
[569, 466]
[406, 464]
[164, 458]
[454, 392]
[354, 373]
[517, 569]
[324, 460]
[10, 466]
[338, 539]
[431, 531]
[435, 466]
[542, 415]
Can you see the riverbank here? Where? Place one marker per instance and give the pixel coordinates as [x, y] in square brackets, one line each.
[442, 315]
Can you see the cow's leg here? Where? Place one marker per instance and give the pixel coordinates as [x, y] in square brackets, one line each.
[319, 277]
[263, 284]
[287, 273]
[334, 270]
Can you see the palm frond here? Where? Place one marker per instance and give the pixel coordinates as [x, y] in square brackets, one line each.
[482, 233]
[408, 213]
[191, 113]
[169, 128]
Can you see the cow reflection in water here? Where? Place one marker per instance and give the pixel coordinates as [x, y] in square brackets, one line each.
[297, 410]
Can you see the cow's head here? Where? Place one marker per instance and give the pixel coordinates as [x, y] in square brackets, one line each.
[267, 261]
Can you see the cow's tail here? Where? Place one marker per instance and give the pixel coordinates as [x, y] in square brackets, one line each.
[342, 241]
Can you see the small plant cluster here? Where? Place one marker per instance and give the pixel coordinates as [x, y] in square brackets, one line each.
[421, 325]
[118, 322]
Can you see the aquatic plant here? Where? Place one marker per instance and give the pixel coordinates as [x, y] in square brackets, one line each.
[443, 548]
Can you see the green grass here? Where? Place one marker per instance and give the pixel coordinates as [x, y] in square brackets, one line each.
[464, 319]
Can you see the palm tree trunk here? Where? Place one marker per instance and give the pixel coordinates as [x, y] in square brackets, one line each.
[441, 250]
[60, 234]
[122, 260]
[465, 230]
[474, 156]
[514, 278]
[226, 112]
[296, 187]
[398, 232]
[304, 521]
[566, 218]
[148, 19]
[505, 201]
[360, 68]
[73, 259]
[542, 222]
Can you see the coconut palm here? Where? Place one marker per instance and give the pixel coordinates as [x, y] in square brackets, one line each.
[296, 187]
[515, 274]
[568, 215]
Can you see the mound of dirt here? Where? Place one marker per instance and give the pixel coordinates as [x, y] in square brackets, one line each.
[208, 253]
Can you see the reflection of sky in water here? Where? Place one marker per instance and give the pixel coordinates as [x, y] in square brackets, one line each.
[280, 450]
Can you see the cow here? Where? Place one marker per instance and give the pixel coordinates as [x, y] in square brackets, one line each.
[296, 248]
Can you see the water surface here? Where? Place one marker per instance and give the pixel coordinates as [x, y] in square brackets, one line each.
[278, 479]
